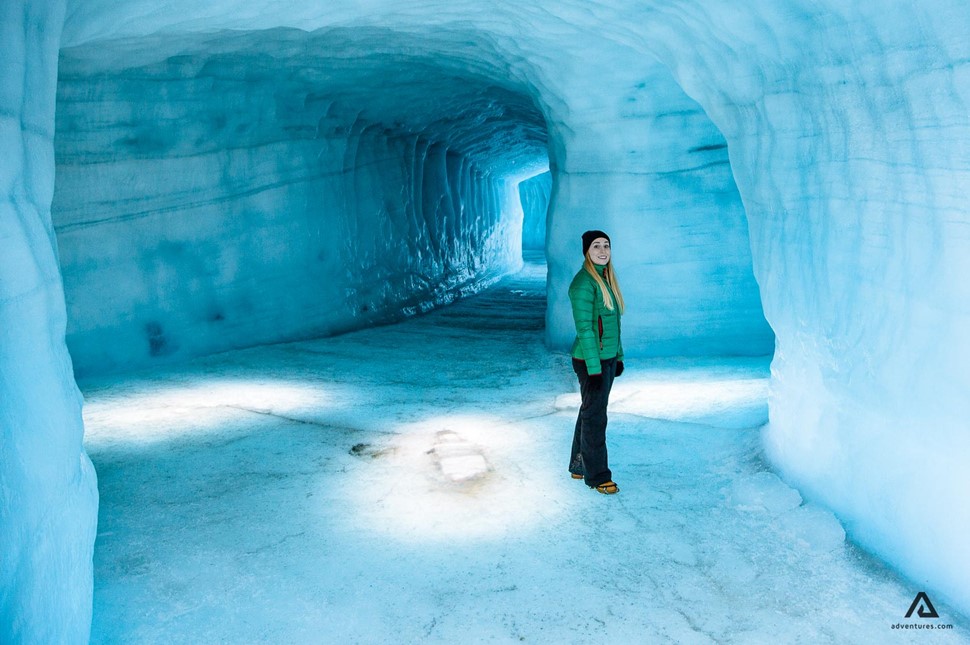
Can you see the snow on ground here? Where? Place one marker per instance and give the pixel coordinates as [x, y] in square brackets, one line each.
[408, 483]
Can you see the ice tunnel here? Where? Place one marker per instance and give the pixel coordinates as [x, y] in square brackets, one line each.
[278, 185]
[181, 179]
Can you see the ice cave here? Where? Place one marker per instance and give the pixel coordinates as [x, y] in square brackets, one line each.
[284, 326]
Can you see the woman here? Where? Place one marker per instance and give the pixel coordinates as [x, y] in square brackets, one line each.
[597, 358]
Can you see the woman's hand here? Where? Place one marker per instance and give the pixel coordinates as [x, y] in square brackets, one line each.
[619, 367]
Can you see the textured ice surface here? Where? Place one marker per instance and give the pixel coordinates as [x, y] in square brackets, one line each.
[354, 488]
[854, 173]
[48, 494]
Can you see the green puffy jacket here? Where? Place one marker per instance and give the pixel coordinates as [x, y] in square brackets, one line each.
[594, 343]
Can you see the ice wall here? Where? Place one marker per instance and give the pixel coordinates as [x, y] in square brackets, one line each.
[534, 194]
[48, 491]
[847, 130]
[245, 188]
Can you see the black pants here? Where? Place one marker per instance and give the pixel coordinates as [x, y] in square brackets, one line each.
[588, 457]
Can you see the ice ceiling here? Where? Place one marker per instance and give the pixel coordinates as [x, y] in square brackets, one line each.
[387, 78]
[804, 159]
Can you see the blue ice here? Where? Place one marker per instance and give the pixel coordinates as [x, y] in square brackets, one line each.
[187, 185]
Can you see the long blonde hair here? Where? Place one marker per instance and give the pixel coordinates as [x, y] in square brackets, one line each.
[610, 274]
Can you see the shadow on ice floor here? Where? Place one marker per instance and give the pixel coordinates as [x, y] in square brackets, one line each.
[408, 483]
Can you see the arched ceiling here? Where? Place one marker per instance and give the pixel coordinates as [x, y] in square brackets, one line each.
[369, 78]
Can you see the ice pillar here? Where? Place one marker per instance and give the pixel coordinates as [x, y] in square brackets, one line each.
[48, 492]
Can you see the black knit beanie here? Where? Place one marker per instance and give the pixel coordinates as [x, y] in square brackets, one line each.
[589, 236]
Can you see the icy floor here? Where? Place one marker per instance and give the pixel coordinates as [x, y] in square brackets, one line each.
[408, 484]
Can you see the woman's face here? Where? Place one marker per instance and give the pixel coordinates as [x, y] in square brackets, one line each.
[599, 251]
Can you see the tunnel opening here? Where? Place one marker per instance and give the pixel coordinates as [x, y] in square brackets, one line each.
[534, 194]
[246, 188]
